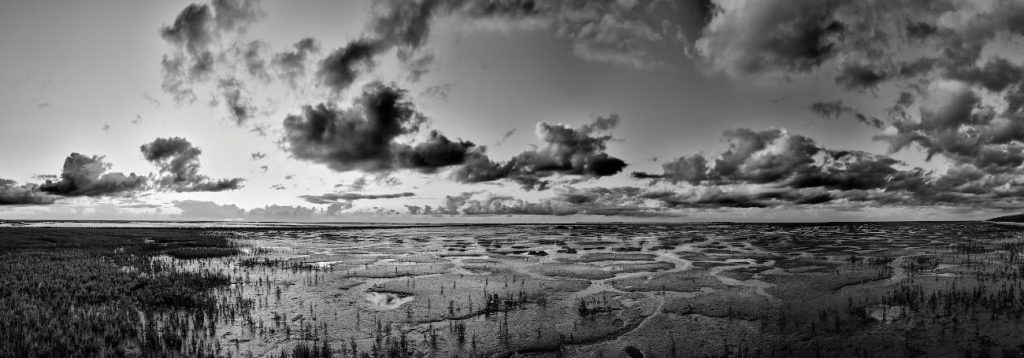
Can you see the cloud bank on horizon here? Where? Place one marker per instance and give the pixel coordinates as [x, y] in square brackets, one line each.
[941, 78]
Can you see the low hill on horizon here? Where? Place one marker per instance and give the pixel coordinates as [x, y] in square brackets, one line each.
[1015, 218]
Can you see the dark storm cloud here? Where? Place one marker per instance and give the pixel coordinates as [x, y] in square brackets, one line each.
[25, 194]
[178, 159]
[332, 197]
[564, 150]
[87, 176]
[365, 135]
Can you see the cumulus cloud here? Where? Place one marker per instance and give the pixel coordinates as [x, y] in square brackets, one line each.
[11, 193]
[178, 160]
[773, 168]
[365, 135]
[959, 94]
[866, 43]
[955, 123]
[87, 176]
[564, 150]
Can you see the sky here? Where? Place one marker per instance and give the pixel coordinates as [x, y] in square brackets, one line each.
[512, 110]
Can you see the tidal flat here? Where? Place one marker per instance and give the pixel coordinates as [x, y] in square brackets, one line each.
[586, 290]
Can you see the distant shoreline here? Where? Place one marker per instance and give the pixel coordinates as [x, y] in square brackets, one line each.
[207, 224]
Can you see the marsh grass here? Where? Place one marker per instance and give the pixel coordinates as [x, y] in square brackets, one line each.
[97, 293]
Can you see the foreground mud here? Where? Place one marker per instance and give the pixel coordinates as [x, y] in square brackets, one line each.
[914, 289]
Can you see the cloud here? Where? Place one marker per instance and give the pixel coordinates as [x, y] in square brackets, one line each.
[291, 65]
[597, 31]
[508, 134]
[836, 108]
[235, 15]
[692, 169]
[856, 76]
[773, 168]
[753, 36]
[332, 197]
[258, 155]
[762, 156]
[25, 194]
[599, 201]
[252, 57]
[564, 150]
[969, 104]
[193, 34]
[208, 210]
[955, 123]
[87, 176]
[178, 159]
[995, 75]
[239, 106]
[609, 37]
[339, 69]
[436, 152]
[365, 135]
